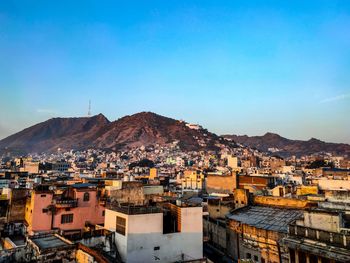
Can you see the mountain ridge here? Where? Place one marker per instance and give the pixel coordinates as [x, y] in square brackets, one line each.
[288, 147]
[146, 128]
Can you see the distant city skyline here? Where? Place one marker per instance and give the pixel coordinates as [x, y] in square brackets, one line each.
[234, 67]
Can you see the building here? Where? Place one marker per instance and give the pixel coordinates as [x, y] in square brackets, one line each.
[68, 211]
[257, 232]
[193, 179]
[221, 183]
[153, 173]
[157, 234]
[256, 183]
[322, 235]
[232, 161]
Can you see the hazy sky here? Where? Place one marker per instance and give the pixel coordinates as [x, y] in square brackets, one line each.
[242, 67]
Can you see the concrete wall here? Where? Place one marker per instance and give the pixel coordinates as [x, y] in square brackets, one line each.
[17, 209]
[219, 209]
[153, 189]
[131, 193]
[216, 233]
[221, 183]
[329, 184]
[144, 240]
[83, 257]
[322, 221]
[36, 219]
[283, 202]
[306, 190]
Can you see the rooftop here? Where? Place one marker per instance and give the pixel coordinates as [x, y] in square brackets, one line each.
[83, 185]
[49, 242]
[135, 210]
[268, 218]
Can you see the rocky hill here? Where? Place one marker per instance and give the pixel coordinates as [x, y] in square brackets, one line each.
[145, 128]
[285, 147]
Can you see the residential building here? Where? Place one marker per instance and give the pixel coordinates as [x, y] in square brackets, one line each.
[149, 234]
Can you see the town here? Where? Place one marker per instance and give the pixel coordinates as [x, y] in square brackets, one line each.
[161, 204]
[184, 131]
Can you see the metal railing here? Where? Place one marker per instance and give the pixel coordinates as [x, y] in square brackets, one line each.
[136, 210]
[66, 202]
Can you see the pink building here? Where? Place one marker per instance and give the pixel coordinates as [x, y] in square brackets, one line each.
[69, 211]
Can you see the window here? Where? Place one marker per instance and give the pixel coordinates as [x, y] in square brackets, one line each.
[68, 218]
[42, 195]
[103, 213]
[67, 209]
[120, 227]
[249, 256]
[156, 248]
[346, 220]
[45, 210]
[256, 258]
[262, 260]
[86, 197]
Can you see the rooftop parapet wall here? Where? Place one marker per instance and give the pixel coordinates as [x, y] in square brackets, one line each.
[283, 202]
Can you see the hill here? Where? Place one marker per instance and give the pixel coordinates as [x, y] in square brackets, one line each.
[285, 147]
[145, 128]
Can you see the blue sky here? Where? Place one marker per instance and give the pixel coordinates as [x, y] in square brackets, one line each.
[242, 67]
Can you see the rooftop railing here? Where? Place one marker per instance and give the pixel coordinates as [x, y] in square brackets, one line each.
[136, 210]
[331, 238]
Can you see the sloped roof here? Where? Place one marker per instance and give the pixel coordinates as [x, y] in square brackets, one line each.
[268, 218]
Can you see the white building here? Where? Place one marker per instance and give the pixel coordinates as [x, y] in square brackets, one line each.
[194, 126]
[152, 234]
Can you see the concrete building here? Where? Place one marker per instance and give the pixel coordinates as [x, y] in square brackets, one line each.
[258, 231]
[256, 183]
[153, 234]
[221, 183]
[68, 211]
[322, 235]
[192, 179]
[232, 161]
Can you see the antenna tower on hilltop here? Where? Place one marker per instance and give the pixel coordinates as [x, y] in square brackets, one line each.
[89, 111]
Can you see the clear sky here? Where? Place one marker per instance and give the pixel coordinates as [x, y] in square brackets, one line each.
[235, 67]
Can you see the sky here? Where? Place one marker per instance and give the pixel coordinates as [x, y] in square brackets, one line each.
[235, 67]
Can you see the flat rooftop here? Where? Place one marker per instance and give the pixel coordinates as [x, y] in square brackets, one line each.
[268, 218]
[49, 242]
[18, 240]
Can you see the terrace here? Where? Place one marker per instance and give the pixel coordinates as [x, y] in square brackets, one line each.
[135, 210]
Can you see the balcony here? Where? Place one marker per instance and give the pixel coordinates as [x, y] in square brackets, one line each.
[66, 203]
[330, 238]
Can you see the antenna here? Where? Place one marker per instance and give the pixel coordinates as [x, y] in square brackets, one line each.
[89, 111]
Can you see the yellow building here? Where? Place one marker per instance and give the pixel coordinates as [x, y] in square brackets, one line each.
[307, 190]
[153, 173]
[192, 180]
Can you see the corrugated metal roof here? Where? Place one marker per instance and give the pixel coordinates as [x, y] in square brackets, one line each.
[268, 218]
